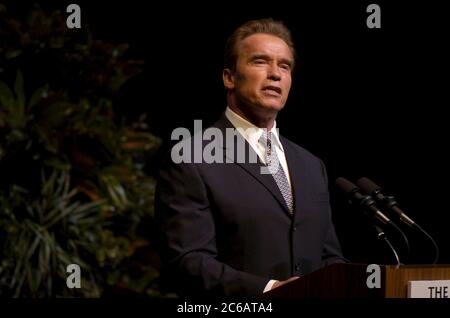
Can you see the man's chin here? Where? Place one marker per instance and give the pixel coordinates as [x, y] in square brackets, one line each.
[274, 104]
[274, 107]
[266, 106]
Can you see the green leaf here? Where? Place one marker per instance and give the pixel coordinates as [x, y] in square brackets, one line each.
[12, 54]
[58, 164]
[115, 190]
[20, 94]
[37, 96]
[6, 97]
[48, 185]
[59, 213]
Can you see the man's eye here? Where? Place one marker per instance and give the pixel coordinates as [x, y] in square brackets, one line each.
[259, 61]
[285, 67]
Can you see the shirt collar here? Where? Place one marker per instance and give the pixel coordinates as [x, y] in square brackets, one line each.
[249, 131]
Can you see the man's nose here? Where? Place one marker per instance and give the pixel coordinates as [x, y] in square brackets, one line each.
[274, 72]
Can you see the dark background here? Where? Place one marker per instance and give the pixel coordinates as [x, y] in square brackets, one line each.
[369, 102]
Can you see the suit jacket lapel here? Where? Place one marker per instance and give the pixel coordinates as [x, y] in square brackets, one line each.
[297, 171]
[254, 169]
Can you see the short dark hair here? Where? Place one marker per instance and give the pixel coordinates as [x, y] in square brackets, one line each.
[267, 26]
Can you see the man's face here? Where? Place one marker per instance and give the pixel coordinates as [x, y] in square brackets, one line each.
[262, 78]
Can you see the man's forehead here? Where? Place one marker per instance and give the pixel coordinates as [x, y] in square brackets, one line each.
[265, 44]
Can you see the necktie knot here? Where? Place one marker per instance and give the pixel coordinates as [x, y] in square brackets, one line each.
[265, 134]
[265, 139]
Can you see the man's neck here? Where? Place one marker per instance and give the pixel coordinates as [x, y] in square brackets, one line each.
[259, 120]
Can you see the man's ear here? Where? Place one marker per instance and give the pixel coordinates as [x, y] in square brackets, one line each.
[228, 78]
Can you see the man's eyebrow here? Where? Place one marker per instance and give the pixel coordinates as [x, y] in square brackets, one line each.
[260, 56]
[287, 61]
[267, 57]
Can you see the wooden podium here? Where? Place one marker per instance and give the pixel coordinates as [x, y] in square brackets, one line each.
[349, 281]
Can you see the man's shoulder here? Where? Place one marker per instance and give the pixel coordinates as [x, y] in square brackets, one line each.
[205, 146]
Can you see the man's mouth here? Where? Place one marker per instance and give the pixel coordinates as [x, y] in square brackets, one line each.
[271, 88]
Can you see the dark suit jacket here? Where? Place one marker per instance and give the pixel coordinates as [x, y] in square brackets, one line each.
[226, 229]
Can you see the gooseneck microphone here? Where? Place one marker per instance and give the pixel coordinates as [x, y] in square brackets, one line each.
[368, 204]
[390, 204]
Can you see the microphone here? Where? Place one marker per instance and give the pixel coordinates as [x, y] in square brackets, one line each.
[388, 202]
[391, 205]
[365, 201]
[369, 206]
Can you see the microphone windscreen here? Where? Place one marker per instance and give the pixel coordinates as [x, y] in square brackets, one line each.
[346, 185]
[367, 185]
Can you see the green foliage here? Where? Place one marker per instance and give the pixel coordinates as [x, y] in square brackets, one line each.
[74, 186]
[46, 234]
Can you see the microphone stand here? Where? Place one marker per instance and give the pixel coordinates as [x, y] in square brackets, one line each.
[368, 204]
[382, 237]
[436, 247]
[391, 203]
[405, 238]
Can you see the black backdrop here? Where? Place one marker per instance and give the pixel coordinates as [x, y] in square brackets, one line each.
[369, 102]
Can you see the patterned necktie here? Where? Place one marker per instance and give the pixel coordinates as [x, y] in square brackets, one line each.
[276, 169]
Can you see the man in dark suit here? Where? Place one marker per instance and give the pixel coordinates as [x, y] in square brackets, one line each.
[228, 226]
